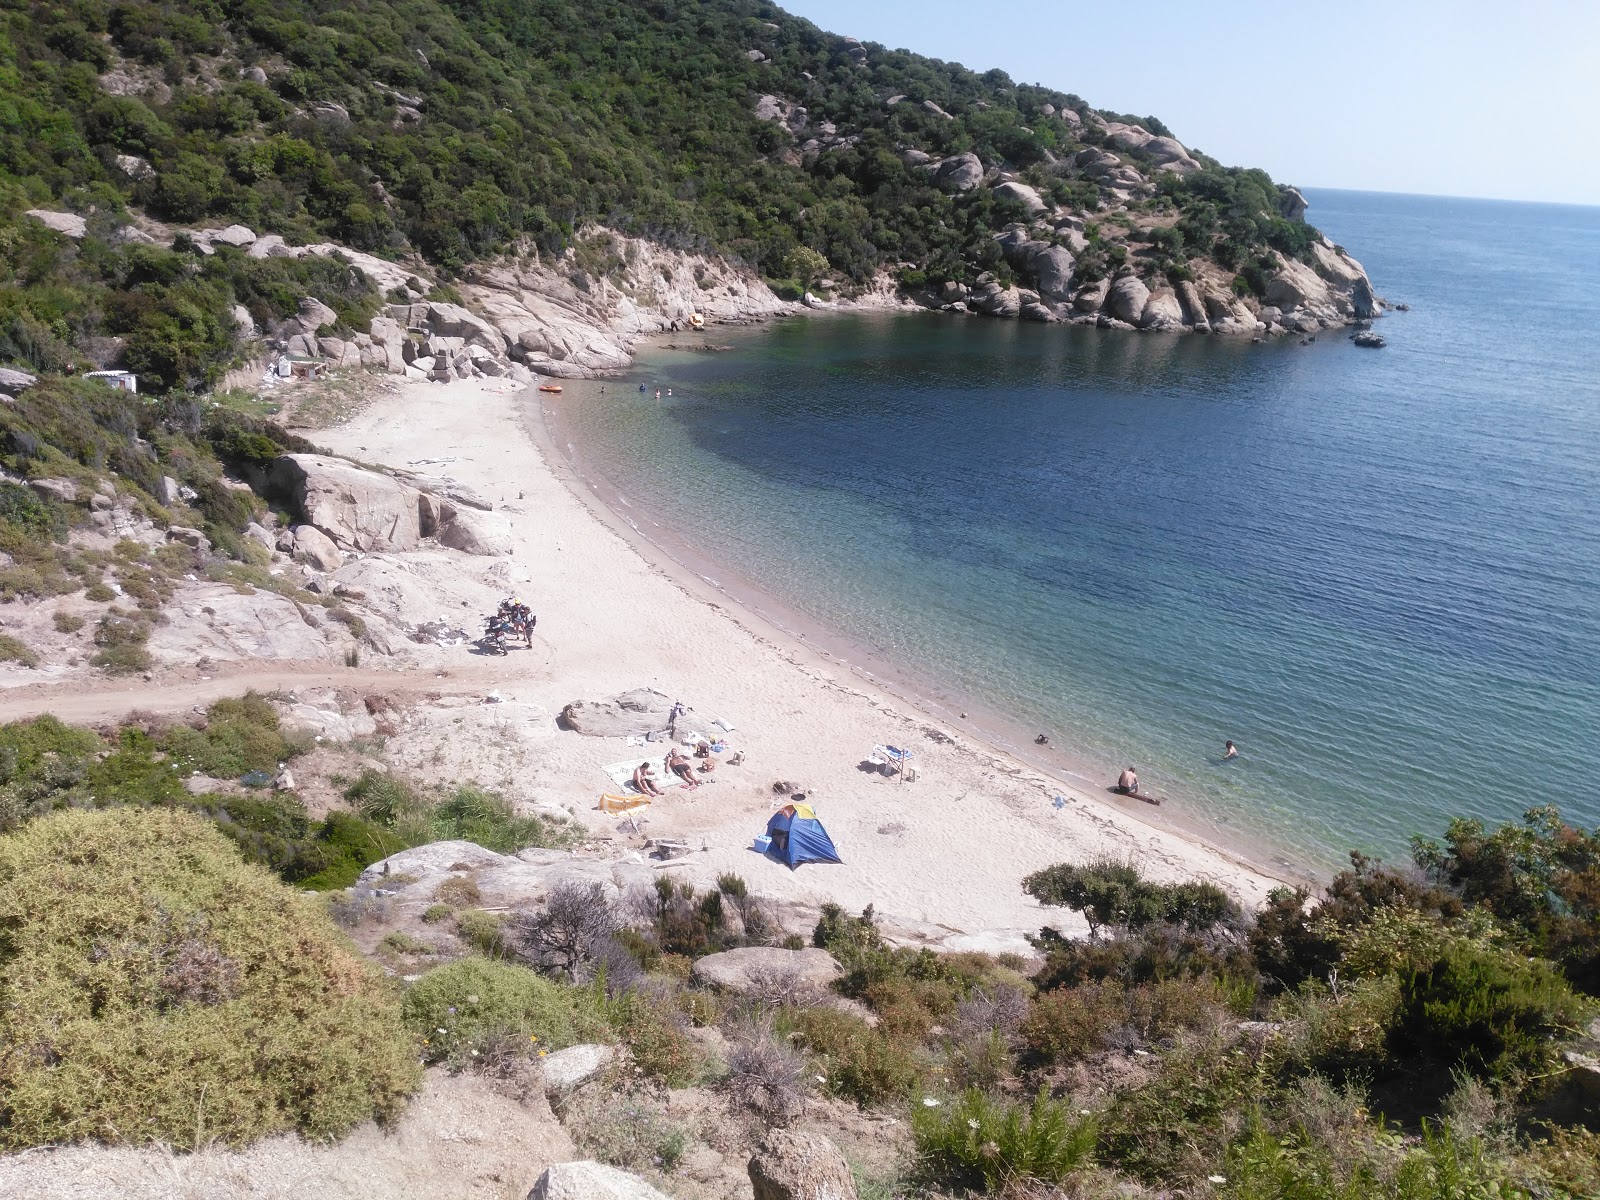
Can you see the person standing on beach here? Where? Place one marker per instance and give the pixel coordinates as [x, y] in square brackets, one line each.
[1229, 750]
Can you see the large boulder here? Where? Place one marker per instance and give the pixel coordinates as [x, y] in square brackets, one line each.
[1092, 297]
[591, 1181]
[389, 339]
[958, 173]
[1162, 311]
[631, 714]
[1022, 194]
[213, 620]
[451, 320]
[475, 532]
[566, 1069]
[793, 1165]
[356, 508]
[992, 300]
[1291, 203]
[1126, 299]
[69, 224]
[14, 381]
[311, 546]
[756, 970]
[1194, 307]
[1052, 269]
[1295, 286]
[313, 315]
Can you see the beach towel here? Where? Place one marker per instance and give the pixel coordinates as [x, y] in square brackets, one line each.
[621, 774]
[610, 803]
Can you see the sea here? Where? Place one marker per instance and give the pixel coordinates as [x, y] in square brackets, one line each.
[1376, 571]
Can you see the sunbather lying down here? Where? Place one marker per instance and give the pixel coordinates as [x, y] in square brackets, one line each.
[644, 779]
[680, 765]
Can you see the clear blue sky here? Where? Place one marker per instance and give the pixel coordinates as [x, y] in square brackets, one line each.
[1446, 97]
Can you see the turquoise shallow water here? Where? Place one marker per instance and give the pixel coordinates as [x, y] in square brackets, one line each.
[1378, 572]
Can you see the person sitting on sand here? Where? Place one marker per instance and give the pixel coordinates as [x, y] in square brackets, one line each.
[1128, 782]
[644, 780]
[1229, 750]
[680, 765]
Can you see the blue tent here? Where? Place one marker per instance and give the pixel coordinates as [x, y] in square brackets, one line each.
[798, 837]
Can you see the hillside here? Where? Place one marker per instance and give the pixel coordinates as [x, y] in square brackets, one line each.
[453, 135]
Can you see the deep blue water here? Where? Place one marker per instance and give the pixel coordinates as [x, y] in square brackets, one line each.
[1377, 571]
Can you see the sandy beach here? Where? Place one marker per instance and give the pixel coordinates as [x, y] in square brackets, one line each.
[941, 857]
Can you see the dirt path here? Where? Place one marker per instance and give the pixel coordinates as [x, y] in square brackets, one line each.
[87, 703]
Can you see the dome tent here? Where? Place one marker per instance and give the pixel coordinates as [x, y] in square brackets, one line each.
[798, 837]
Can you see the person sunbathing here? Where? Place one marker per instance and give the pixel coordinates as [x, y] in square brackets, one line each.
[644, 780]
[680, 765]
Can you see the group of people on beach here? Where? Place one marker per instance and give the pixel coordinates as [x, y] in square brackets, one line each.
[676, 761]
[513, 619]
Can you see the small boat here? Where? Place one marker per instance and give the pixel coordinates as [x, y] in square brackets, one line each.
[549, 387]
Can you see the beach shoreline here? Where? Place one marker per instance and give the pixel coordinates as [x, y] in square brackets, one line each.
[940, 859]
[819, 648]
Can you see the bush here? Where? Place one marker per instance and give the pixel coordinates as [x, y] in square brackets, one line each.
[13, 650]
[169, 992]
[67, 622]
[858, 1062]
[1112, 893]
[483, 931]
[462, 1007]
[767, 1077]
[344, 846]
[1490, 1012]
[240, 734]
[1072, 1023]
[983, 1145]
[460, 891]
[656, 1039]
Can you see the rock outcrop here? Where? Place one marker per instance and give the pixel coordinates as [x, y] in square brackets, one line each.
[574, 1066]
[958, 173]
[591, 1181]
[794, 1165]
[632, 714]
[1126, 299]
[359, 509]
[753, 970]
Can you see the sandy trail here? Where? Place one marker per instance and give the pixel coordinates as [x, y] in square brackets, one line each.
[81, 704]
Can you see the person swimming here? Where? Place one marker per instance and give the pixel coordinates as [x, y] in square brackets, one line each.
[1229, 750]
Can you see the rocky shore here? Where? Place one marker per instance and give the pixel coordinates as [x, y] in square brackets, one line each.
[580, 314]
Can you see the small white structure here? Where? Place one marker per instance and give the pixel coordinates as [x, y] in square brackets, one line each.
[125, 381]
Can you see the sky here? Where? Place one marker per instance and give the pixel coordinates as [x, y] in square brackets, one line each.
[1439, 97]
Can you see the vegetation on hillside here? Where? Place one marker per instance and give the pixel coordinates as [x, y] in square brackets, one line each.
[455, 129]
[46, 766]
[159, 989]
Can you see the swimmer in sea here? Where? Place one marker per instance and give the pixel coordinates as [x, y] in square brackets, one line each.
[1229, 750]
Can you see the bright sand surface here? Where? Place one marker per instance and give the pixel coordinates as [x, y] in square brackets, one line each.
[942, 857]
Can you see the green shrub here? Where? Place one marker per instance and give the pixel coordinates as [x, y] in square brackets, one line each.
[397, 941]
[67, 622]
[14, 650]
[858, 1062]
[1115, 894]
[240, 734]
[169, 992]
[656, 1039]
[460, 891]
[435, 913]
[483, 931]
[1491, 1012]
[343, 847]
[979, 1144]
[469, 1004]
[1071, 1023]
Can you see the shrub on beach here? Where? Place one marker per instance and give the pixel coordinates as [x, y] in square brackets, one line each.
[159, 989]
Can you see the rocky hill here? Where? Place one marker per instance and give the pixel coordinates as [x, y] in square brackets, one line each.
[523, 157]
